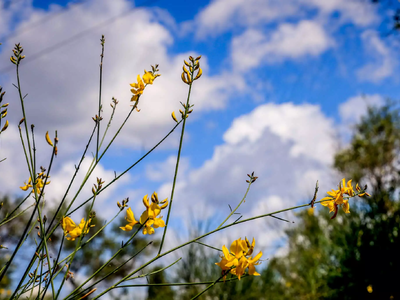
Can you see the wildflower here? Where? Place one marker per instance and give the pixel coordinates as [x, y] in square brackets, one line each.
[148, 77]
[138, 89]
[335, 197]
[72, 231]
[131, 220]
[369, 289]
[237, 259]
[150, 217]
[39, 183]
[188, 74]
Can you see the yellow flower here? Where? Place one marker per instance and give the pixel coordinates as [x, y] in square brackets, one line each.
[237, 259]
[150, 217]
[252, 262]
[72, 231]
[131, 220]
[138, 88]
[148, 77]
[39, 183]
[369, 289]
[335, 197]
[27, 185]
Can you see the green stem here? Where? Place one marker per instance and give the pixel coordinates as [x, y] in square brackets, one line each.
[177, 283]
[100, 88]
[211, 285]
[176, 168]
[128, 169]
[17, 215]
[196, 239]
[108, 275]
[25, 124]
[155, 272]
[24, 233]
[232, 212]
[106, 263]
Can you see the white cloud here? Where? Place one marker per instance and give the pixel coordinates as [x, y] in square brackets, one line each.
[65, 82]
[355, 107]
[288, 146]
[224, 15]
[360, 13]
[62, 86]
[384, 61]
[289, 41]
[291, 123]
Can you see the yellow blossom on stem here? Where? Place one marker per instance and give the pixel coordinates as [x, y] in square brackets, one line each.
[39, 183]
[150, 217]
[73, 231]
[335, 197]
[131, 220]
[237, 259]
[148, 77]
[138, 88]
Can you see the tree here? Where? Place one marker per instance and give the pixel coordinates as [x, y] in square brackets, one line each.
[354, 256]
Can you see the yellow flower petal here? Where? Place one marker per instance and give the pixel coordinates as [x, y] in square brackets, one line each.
[174, 117]
[48, 140]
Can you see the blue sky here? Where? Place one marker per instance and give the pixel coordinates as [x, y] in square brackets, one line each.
[283, 83]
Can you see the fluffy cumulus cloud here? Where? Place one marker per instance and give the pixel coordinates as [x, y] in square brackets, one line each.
[66, 81]
[383, 59]
[288, 41]
[62, 85]
[288, 146]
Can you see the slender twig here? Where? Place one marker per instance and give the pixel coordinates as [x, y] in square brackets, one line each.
[196, 239]
[211, 285]
[48, 234]
[240, 203]
[155, 272]
[178, 283]
[105, 277]
[128, 169]
[205, 245]
[54, 268]
[25, 230]
[98, 117]
[176, 167]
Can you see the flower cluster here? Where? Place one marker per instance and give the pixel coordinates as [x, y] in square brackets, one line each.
[17, 54]
[336, 199]
[73, 231]
[150, 217]
[237, 259]
[148, 78]
[188, 75]
[39, 184]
